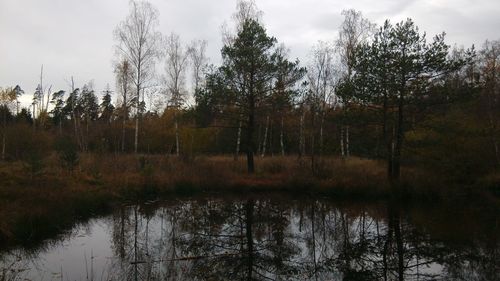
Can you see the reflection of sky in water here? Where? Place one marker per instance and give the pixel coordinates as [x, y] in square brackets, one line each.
[87, 250]
[178, 239]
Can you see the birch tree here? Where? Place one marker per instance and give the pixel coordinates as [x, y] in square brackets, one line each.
[321, 77]
[197, 54]
[7, 97]
[354, 30]
[138, 39]
[124, 76]
[175, 66]
[490, 68]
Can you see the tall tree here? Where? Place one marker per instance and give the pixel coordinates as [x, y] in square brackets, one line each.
[393, 72]
[58, 114]
[197, 55]
[285, 92]
[124, 76]
[7, 97]
[354, 30]
[106, 107]
[138, 40]
[321, 77]
[490, 69]
[249, 63]
[176, 63]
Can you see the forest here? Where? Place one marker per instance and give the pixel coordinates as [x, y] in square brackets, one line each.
[385, 93]
[382, 111]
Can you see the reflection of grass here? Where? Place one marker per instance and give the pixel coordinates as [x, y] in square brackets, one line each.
[34, 208]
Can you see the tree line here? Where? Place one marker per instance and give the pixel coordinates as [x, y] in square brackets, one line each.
[384, 92]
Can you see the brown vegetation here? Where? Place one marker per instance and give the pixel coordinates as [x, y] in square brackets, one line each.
[34, 206]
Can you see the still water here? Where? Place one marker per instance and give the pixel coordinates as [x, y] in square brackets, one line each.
[269, 237]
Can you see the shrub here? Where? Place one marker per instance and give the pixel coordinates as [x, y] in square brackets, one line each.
[68, 152]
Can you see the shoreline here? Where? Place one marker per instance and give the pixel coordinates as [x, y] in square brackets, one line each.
[35, 209]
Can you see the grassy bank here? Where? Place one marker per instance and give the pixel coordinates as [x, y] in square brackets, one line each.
[34, 206]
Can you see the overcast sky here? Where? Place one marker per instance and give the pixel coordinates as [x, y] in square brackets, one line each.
[75, 37]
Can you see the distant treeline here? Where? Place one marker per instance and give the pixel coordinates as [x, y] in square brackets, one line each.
[376, 92]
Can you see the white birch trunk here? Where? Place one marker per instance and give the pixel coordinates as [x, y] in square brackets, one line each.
[347, 153]
[264, 142]
[123, 135]
[136, 140]
[321, 134]
[238, 141]
[281, 139]
[301, 135]
[176, 135]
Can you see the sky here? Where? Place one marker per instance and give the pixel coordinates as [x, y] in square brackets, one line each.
[74, 38]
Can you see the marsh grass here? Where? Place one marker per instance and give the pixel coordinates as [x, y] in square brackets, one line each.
[32, 208]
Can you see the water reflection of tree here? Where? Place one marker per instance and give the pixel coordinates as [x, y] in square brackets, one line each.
[268, 239]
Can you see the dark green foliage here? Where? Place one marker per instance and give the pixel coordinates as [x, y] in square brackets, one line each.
[88, 104]
[106, 107]
[6, 115]
[394, 74]
[68, 152]
[58, 114]
[24, 116]
[251, 62]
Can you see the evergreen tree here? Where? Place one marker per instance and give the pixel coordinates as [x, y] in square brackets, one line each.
[393, 73]
[106, 107]
[249, 64]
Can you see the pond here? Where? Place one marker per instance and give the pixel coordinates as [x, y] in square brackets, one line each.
[269, 237]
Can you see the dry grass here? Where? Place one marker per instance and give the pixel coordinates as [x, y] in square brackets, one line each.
[56, 198]
[166, 172]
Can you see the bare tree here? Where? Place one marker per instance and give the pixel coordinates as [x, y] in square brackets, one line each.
[354, 30]
[124, 77]
[199, 60]
[41, 99]
[490, 67]
[321, 77]
[138, 40]
[245, 10]
[176, 63]
[7, 98]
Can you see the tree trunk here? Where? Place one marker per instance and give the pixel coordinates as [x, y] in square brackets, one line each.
[136, 139]
[347, 152]
[176, 134]
[388, 141]
[238, 141]
[396, 172]
[399, 243]
[271, 139]
[249, 237]
[313, 142]
[313, 232]
[137, 113]
[3, 145]
[259, 138]
[281, 138]
[342, 152]
[321, 123]
[264, 142]
[3, 132]
[493, 137]
[123, 133]
[250, 129]
[136, 275]
[301, 136]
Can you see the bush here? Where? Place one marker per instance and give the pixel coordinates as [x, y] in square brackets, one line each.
[68, 152]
